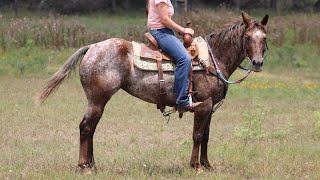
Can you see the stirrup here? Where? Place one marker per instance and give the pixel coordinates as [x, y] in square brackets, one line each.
[190, 99]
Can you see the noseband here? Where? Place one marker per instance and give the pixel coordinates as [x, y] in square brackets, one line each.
[265, 53]
[247, 55]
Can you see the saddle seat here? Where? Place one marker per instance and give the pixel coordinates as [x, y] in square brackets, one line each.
[152, 51]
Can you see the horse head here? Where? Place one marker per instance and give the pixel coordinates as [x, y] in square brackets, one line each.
[255, 40]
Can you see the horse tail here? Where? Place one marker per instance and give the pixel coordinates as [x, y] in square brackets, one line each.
[54, 82]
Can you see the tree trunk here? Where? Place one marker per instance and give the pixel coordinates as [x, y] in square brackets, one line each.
[15, 7]
[289, 4]
[317, 5]
[237, 4]
[43, 4]
[126, 4]
[114, 5]
[273, 4]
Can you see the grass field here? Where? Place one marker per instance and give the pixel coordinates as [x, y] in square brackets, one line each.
[267, 128]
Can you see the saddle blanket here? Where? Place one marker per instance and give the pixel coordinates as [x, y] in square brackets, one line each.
[151, 65]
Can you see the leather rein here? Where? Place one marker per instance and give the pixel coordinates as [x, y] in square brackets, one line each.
[219, 73]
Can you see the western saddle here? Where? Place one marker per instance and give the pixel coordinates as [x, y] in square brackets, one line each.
[153, 52]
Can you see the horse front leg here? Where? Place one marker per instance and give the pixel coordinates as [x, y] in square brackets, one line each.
[201, 118]
[204, 146]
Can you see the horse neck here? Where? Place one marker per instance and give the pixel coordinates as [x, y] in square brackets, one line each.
[229, 51]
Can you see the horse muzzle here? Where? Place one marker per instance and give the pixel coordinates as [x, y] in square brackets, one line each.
[257, 65]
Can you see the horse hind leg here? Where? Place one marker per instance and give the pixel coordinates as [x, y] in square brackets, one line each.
[87, 128]
[100, 95]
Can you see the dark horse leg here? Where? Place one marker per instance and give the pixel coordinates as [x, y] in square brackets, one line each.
[204, 146]
[87, 128]
[202, 117]
[96, 104]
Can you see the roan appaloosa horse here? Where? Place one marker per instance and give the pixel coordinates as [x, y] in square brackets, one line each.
[108, 66]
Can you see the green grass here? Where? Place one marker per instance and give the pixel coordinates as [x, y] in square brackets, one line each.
[31, 61]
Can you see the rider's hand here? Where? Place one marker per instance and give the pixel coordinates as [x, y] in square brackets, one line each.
[189, 31]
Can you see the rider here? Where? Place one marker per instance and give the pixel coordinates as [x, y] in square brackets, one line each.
[162, 28]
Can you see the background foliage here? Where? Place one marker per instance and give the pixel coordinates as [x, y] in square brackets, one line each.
[80, 6]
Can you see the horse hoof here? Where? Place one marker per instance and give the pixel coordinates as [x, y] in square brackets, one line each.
[86, 170]
[199, 170]
[210, 168]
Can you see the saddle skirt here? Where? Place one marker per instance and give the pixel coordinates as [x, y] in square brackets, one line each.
[145, 57]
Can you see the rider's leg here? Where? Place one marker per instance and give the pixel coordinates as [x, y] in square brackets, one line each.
[171, 45]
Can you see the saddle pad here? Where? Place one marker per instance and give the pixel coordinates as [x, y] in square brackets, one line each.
[151, 65]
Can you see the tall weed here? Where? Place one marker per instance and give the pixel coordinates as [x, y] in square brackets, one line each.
[316, 129]
[251, 128]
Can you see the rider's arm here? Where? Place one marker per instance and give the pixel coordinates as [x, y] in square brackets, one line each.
[169, 23]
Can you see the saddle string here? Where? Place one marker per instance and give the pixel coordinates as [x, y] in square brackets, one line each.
[168, 113]
[217, 106]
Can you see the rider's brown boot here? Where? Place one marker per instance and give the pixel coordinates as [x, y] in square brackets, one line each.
[182, 109]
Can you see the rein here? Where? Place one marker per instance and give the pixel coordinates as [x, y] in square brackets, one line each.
[220, 73]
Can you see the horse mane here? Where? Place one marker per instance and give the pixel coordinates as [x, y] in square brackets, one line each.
[228, 36]
[227, 43]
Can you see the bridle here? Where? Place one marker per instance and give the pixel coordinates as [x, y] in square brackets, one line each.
[219, 73]
[265, 53]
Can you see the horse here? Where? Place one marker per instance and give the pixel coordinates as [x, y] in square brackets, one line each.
[107, 66]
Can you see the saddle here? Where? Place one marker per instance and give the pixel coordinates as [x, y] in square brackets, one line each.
[153, 52]
[154, 49]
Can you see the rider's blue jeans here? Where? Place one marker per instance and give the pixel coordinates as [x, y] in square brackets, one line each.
[171, 45]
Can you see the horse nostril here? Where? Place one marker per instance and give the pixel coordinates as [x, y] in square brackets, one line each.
[254, 62]
[262, 63]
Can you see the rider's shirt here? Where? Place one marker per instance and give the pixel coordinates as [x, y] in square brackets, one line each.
[154, 21]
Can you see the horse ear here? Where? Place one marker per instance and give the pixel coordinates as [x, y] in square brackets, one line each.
[265, 20]
[246, 18]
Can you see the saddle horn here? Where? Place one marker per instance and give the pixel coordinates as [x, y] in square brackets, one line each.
[187, 38]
